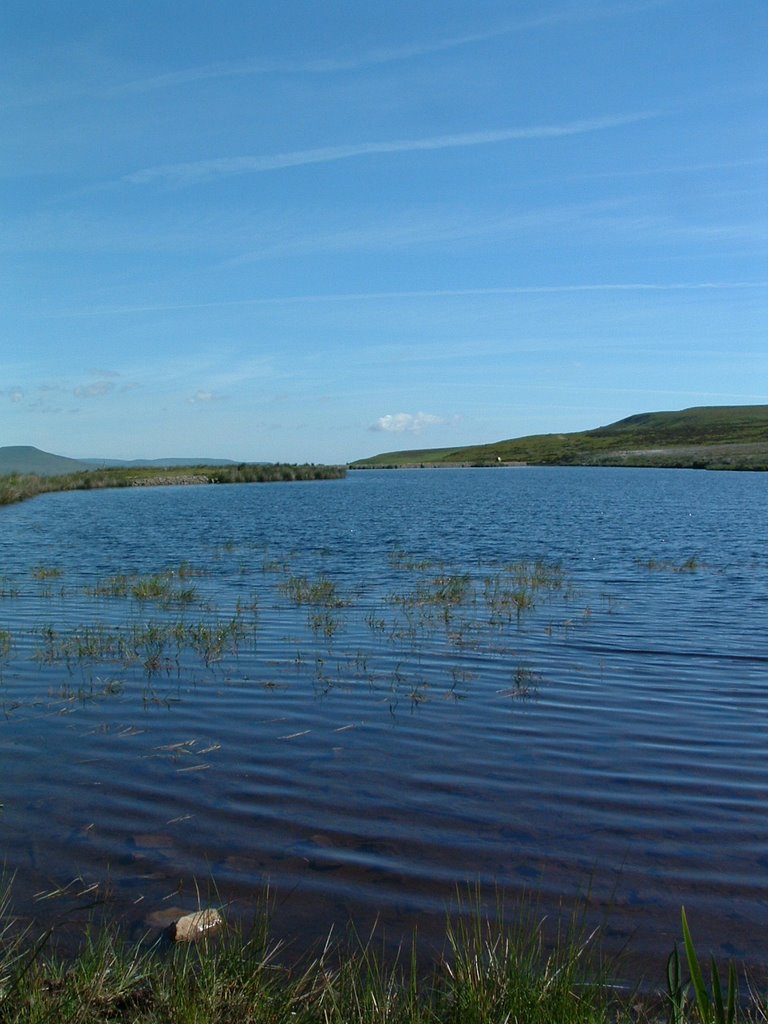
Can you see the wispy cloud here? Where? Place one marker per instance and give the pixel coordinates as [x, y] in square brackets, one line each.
[410, 227]
[204, 170]
[407, 423]
[662, 169]
[320, 65]
[79, 72]
[95, 389]
[388, 55]
[437, 293]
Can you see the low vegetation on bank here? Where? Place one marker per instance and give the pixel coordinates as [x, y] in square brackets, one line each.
[18, 487]
[489, 973]
[716, 437]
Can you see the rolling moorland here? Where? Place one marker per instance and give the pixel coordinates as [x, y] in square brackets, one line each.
[708, 437]
[24, 458]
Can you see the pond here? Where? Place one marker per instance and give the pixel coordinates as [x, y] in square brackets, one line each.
[370, 694]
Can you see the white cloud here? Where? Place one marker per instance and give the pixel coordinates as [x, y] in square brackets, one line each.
[13, 394]
[204, 396]
[407, 423]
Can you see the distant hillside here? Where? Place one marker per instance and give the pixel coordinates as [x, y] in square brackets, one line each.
[26, 459]
[23, 458]
[706, 437]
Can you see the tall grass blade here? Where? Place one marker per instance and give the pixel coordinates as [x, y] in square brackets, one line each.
[714, 1010]
[697, 978]
[717, 992]
[676, 994]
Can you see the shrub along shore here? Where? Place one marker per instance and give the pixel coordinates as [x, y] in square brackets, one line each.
[17, 487]
[489, 973]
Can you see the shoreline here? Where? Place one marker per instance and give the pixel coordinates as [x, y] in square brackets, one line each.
[488, 970]
[15, 488]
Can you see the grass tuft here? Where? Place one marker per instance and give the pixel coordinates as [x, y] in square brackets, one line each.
[490, 972]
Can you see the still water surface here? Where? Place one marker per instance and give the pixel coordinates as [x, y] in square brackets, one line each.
[553, 681]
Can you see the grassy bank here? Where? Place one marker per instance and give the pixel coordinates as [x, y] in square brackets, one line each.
[488, 974]
[18, 487]
[716, 437]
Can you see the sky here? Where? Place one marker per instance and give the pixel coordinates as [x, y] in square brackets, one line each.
[315, 231]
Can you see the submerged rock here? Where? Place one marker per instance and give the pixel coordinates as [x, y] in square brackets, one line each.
[153, 841]
[193, 927]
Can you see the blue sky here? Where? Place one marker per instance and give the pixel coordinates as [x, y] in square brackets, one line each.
[317, 231]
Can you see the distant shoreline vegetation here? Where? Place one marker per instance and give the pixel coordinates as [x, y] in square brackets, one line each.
[709, 437]
[16, 487]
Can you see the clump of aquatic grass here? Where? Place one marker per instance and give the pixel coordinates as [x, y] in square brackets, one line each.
[691, 564]
[113, 586]
[402, 560]
[213, 640]
[321, 591]
[504, 600]
[325, 623]
[157, 645]
[87, 643]
[7, 591]
[158, 587]
[537, 574]
[524, 682]
[274, 565]
[249, 605]
[517, 587]
[47, 572]
[185, 569]
[450, 590]
[375, 623]
[92, 691]
[6, 643]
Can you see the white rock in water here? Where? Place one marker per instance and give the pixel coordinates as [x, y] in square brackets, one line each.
[193, 927]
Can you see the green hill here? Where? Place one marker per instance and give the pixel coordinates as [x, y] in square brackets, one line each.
[705, 437]
[26, 459]
[23, 458]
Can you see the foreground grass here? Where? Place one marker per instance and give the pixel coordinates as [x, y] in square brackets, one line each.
[241, 979]
[17, 487]
[489, 974]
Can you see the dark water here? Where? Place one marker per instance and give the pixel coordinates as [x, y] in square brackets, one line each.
[603, 745]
